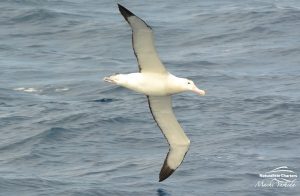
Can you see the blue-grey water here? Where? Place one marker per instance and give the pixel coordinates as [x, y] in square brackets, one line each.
[63, 131]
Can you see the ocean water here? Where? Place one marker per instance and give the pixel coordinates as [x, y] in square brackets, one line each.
[63, 131]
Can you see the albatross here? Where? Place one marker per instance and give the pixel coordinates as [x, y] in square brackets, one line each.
[158, 85]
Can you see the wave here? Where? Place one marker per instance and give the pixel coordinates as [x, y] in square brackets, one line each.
[265, 99]
[39, 15]
[49, 134]
[280, 108]
[243, 24]
[45, 90]
[121, 119]
[105, 100]
[25, 186]
[29, 90]
[34, 15]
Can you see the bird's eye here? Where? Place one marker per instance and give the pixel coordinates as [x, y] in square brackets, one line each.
[189, 83]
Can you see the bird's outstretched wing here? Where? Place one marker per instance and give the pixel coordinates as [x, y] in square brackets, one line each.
[162, 112]
[143, 43]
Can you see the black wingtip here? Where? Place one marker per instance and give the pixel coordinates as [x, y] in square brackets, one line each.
[125, 12]
[165, 172]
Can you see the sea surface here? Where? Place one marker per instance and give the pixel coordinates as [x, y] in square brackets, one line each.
[63, 131]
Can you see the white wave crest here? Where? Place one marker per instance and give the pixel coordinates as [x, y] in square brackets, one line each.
[29, 90]
[61, 89]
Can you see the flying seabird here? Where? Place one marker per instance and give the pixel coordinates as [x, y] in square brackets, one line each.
[158, 85]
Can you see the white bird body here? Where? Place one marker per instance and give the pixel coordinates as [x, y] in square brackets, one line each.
[158, 84]
[154, 84]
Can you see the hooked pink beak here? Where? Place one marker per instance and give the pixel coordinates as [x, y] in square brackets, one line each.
[199, 91]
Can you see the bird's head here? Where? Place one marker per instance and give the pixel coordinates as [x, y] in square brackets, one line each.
[190, 86]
